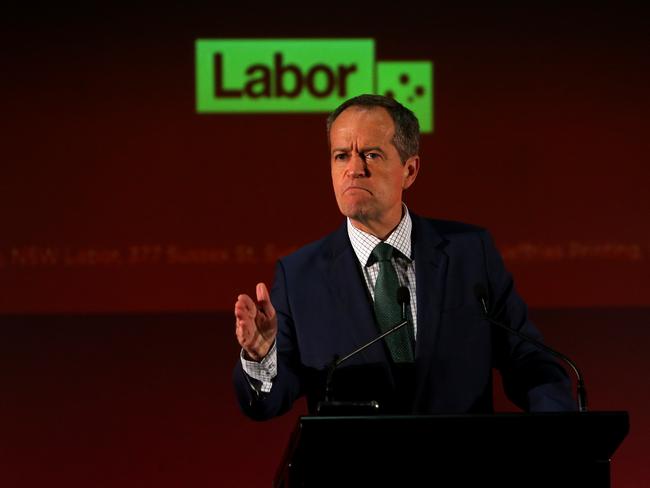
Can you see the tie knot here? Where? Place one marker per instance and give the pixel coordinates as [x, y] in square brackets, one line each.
[383, 252]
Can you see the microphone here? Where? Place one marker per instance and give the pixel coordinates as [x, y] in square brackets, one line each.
[482, 296]
[403, 298]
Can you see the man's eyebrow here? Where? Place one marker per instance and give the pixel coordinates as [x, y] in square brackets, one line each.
[363, 150]
[373, 148]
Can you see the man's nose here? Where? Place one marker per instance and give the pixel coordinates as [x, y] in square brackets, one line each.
[357, 166]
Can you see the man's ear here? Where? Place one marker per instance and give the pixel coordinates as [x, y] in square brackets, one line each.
[411, 169]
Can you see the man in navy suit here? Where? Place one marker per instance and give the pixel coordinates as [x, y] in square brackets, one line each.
[329, 297]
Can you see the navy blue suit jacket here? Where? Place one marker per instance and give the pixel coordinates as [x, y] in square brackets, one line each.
[324, 309]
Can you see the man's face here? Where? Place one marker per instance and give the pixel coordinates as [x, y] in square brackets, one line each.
[367, 173]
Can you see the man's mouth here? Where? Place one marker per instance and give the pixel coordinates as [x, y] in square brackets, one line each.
[356, 188]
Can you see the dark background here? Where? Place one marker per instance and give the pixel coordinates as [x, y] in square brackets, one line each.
[129, 223]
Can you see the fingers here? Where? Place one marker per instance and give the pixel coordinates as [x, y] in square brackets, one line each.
[245, 311]
[255, 324]
[262, 292]
[239, 332]
[245, 307]
[264, 300]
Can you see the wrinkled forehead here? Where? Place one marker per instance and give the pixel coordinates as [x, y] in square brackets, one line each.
[360, 126]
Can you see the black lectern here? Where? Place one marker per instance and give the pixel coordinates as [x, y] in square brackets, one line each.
[500, 450]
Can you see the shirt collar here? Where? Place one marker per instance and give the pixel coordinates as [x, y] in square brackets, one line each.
[363, 243]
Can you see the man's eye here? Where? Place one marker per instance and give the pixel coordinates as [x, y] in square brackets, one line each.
[371, 156]
[339, 157]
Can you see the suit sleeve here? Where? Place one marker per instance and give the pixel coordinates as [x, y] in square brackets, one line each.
[532, 379]
[287, 385]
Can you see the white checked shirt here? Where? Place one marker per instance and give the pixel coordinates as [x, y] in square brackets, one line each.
[263, 372]
[363, 244]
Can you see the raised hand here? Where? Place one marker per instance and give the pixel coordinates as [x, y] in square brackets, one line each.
[256, 324]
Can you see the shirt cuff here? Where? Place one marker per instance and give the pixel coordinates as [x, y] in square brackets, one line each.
[263, 371]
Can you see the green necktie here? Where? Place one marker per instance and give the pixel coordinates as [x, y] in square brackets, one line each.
[387, 309]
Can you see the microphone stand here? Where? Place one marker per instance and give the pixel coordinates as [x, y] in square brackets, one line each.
[368, 406]
[580, 384]
[481, 296]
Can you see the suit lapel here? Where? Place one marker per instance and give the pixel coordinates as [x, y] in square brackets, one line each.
[431, 272]
[347, 284]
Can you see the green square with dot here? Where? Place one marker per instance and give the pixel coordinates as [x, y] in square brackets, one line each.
[411, 84]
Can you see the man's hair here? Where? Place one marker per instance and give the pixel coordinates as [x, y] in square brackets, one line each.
[407, 129]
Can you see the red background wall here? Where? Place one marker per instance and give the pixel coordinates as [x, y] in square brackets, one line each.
[108, 373]
[541, 136]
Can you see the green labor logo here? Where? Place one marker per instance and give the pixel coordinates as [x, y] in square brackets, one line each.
[304, 76]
